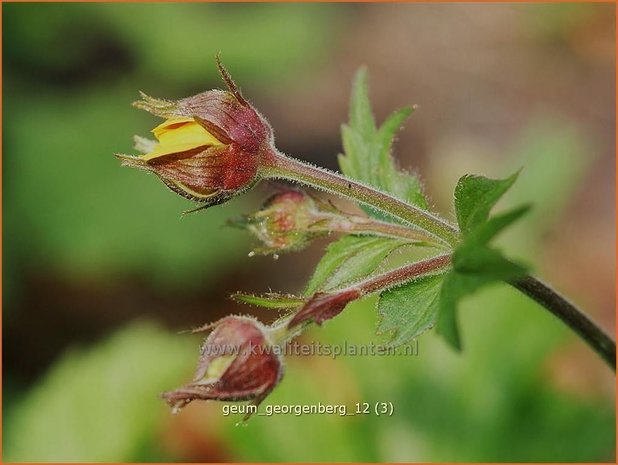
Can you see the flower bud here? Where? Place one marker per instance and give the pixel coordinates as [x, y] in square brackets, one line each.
[209, 147]
[237, 362]
[287, 221]
[291, 219]
[324, 306]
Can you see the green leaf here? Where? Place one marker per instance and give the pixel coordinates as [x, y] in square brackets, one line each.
[408, 311]
[475, 257]
[486, 263]
[475, 264]
[475, 196]
[367, 150]
[361, 116]
[389, 128]
[454, 287]
[484, 233]
[350, 258]
[270, 300]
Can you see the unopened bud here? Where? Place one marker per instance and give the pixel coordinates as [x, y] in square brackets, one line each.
[287, 221]
[236, 363]
[324, 306]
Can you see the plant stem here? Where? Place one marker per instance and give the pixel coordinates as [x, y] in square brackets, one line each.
[353, 224]
[279, 166]
[574, 318]
[403, 274]
[326, 305]
[379, 228]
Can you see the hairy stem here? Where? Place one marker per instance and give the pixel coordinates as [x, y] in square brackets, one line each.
[378, 228]
[353, 224]
[279, 166]
[326, 305]
[404, 274]
[574, 318]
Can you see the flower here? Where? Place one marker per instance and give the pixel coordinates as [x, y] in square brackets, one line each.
[237, 362]
[287, 221]
[209, 147]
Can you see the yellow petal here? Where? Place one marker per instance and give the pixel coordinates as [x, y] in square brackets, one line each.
[178, 135]
[170, 124]
[216, 368]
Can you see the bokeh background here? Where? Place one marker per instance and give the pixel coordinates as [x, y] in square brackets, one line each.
[100, 272]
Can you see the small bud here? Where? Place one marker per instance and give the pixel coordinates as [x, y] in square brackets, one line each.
[209, 147]
[237, 363]
[291, 219]
[324, 306]
[287, 221]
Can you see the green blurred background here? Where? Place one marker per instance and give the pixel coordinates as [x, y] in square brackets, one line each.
[100, 272]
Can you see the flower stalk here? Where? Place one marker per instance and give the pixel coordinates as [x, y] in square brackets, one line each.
[276, 165]
[368, 226]
[570, 315]
[326, 305]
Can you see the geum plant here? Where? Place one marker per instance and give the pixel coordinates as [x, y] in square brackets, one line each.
[216, 145]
